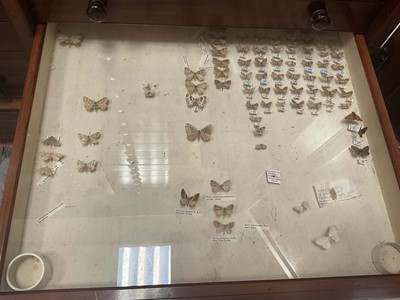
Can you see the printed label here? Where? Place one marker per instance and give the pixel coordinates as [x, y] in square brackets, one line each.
[324, 71]
[308, 70]
[277, 69]
[292, 56]
[216, 197]
[188, 212]
[263, 81]
[293, 82]
[262, 70]
[255, 226]
[354, 127]
[247, 82]
[292, 69]
[337, 61]
[225, 239]
[50, 212]
[335, 191]
[341, 74]
[276, 56]
[245, 69]
[278, 82]
[273, 176]
[357, 143]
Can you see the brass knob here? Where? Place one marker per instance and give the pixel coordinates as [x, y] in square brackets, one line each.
[319, 16]
[96, 10]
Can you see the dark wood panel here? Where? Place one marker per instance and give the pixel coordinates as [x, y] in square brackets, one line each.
[8, 38]
[3, 15]
[13, 63]
[346, 15]
[13, 87]
[8, 123]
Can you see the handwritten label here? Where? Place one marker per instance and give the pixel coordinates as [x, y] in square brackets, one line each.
[273, 176]
[361, 161]
[278, 82]
[188, 212]
[353, 127]
[292, 69]
[225, 239]
[334, 191]
[50, 212]
[247, 82]
[357, 143]
[245, 69]
[215, 197]
[341, 74]
[324, 71]
[255, 226]
[337, 61]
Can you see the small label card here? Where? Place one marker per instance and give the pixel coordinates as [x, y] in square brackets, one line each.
[334, 191]
[225, 239]
[354, 127]
[50, 212]
[357, 143]
[273, 176]
[216, 197]
[188, 212]
[255, 226]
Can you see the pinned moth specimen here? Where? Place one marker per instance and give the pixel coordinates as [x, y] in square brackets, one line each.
[323, 53]
[280, 91]
[250, 106]
[69, 40]
[265, 104]
[52, 141]
[276, 76]
[221, 85]
[260, 62]
[307, 63]
[314, 105]
[297, 105]
[90, 139]
[337, 55]
[336, 67]
[326, 78]
[220, 52]
[46, 171]
[260, 147]
[86, 167]
[296, 91]
[308, 50]
[52, 156]
[332, 192]
[326, 241]
[362, 131]
[196, 102]
[198, 75]
[261, 76]
[245, 76]
[293, 76]
[221, 73]
[281, 103]
[312, 91]
[220, 63]
[342, 81]
[291, 50]
[193, 133]
[195, 88]
[149, 90]
[263, 90]
[345, 105]
[353, 117]
[248, 90]
[242, 48]
[258, 130]
[359, 152]
[224, 228]
[243, 62]
[345, 94]
[328, 93]
[290, 63]
[276, 49]
[255, 119]
[309, 77]
[216, 187]
[221, 211]
[276, 62]
[217, 39]
[302, 208]
[188, 201]
[258, 50]
[91, 105]
[321, 64]
[274, 41]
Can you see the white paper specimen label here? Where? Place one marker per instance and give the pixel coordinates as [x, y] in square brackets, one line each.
[224, 239]
[255, 226]
[335, 191]
[353, 127]
[215, 197]
[51, 212]
[274, 176]
[188, 212]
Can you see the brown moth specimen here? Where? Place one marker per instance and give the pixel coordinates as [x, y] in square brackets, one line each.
[291, 50]
[91, 139]
[357, 152]
[245, 76]
[197, 102]
[280, 103]
[260, 50]
[345, 94]
[255, 119]
[221, 211]
[193, 133]
[260, 40]
[198, 75]
[244, 63]
[263, 90]
[216, 187]
[224, 63]
[309, 77]
[53, 156]
[276, 49]
[265, 104]
[327, 92]
[275, 41]
[248, 90]
[258, 130]
[52, 141]
[307, 63]
[188, 201]
[353, 117]
[345, 105]
[280, 91]
[195, 88]
[362, 131]
[307, 50]
[149, 90]
[224, 228]
[296, 91]
[336, 67]
[261, 76]
[333, 193]
[219, 52]
[69, 40]
[46, 171]
[305, 205]
[221, 73]
[290, 63]
[326, 78]
[260, 62]
[250, 106]
[91, 105]
[321, 64]
[276, 62]
[312, 91]
[342, 81]
[314, 105]
[260, 147]
[297, 105]
[221, 85]
[86, 167]
[242, 48]
[293, 76]
[276, 76]
[323, 53]
[337, 55]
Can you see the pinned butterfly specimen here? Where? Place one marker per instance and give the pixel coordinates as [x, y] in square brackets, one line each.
[327, 78]
[217, 39]
[309, 77]
[196, 102]
[357, 152]
[264, 90]
[260, 50]
[255, 119]
[224, 63]
[46, 171]
[321, 64]
[362, 131]
[242, 48]
[312, 91]
[258, 130]
[149, 90]
[307, 63]
[345, 94]
[260, 62]
[281, 103]
[220, 52]
[296, 91]
[261, 76]
[293, 76]
[221, 211]
[86, 167]
[275, 41]
[260, 147]
[302, 208]
[326, 241]
[297, 105]
[69, 40]
[198, 75]
[276, 76]
[243, 62]
[290, 63]
[337, 55]
[193, 133]
[280, 91]
[91, 105]
[248, 90]
[276, 62]
[328, 93]
[91, 139]
[221, 85]
[323, 53]
[216, 187]
[314, 105]
[52, 141]
[188, 201]
[336, 67]
[307, 50]
[265, 104]
[195, 88]
[345, 105]
[353, 117]
[250, 106]
[52, 156]
[342, 81]
[245, 76]
[221, 73]
[224, 228]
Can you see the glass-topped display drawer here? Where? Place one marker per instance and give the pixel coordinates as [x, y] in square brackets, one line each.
[163, 155]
